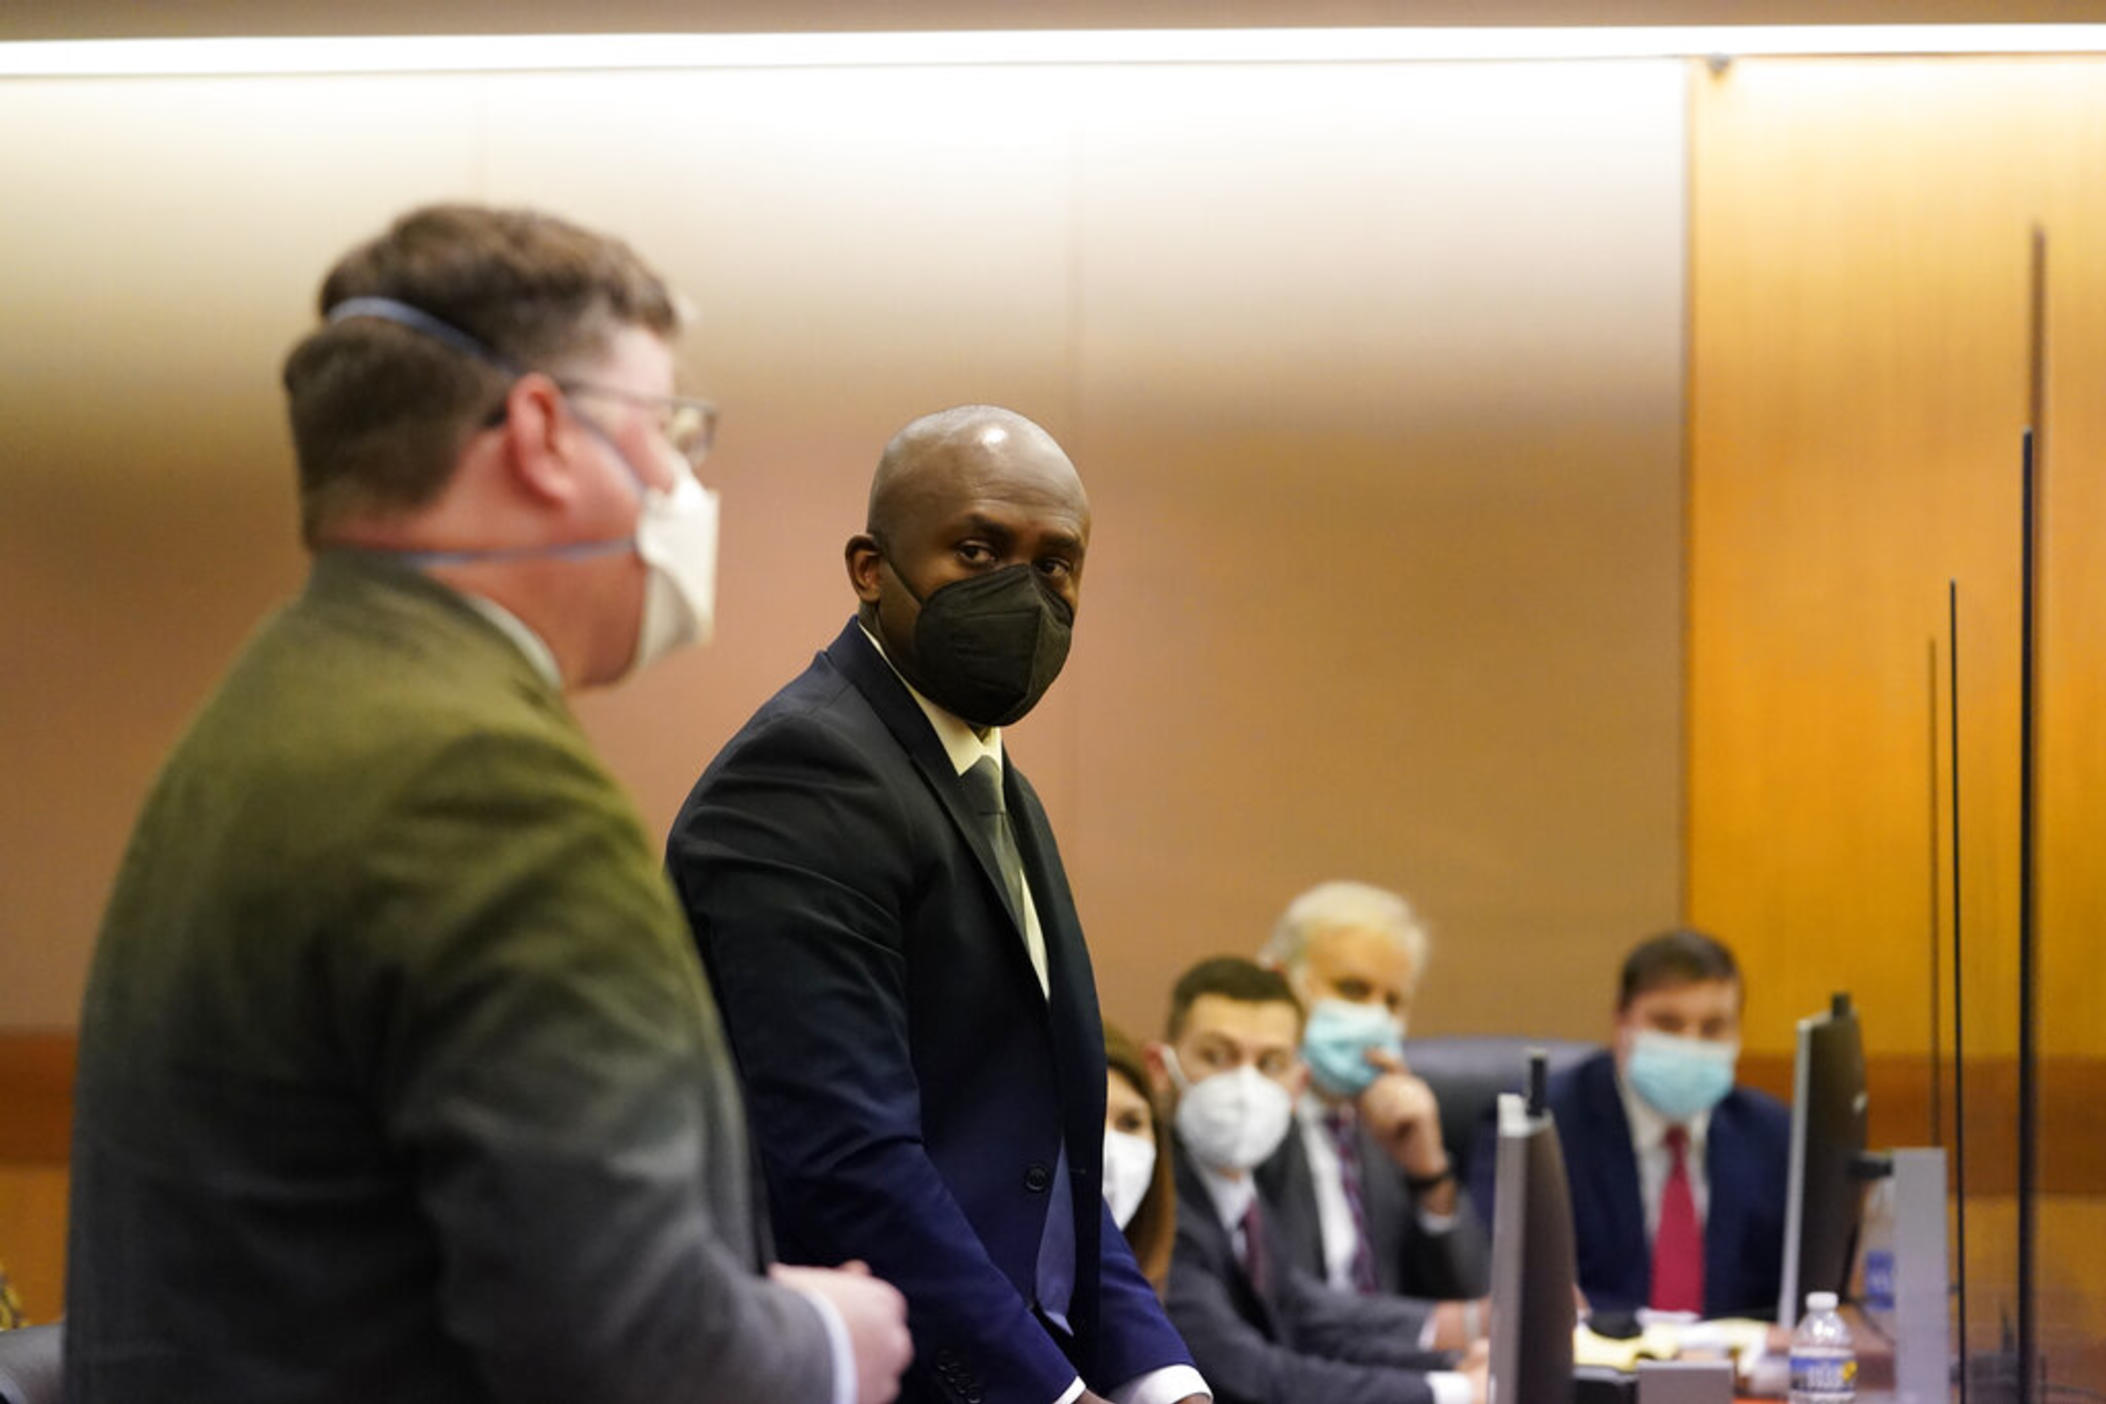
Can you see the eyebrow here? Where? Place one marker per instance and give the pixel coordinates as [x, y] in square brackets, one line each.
[981, 523]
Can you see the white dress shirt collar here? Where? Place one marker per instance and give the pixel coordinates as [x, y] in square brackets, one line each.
[1649, 1148]
[1649, 1128]
[538, 654]
[962, 742]
[1231, 1196]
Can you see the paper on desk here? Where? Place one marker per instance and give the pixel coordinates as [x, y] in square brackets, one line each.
[1653, 1343]
[1742, 1340]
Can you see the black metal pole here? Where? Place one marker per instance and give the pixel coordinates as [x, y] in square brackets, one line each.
[1959, 981]
[2028, 974]
[1937, 993]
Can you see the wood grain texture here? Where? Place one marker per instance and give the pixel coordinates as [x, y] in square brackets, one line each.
[1858, 387]
[33, 1236]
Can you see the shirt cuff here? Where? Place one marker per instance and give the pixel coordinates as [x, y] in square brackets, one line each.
[1449, 1387]
[1435, 1223]
[1072, 1393]
[1432, 1326]
[843, 1352]
[1170, 1384]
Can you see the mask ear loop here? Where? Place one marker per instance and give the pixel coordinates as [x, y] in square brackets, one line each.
[388, 309]
[884, 554]
[1175, 1069]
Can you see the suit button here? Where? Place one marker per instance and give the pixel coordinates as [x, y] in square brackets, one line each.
[1037, 1177]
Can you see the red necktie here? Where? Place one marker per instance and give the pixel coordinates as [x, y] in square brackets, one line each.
[1678, 1246]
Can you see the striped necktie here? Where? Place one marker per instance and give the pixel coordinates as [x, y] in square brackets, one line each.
[1342, 1125]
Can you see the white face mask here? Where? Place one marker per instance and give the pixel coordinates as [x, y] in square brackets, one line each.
[1233, 1120]
[676, 535]
[1129, 1166]
[676, 531]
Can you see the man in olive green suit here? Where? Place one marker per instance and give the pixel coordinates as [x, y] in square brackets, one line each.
[399, 1079]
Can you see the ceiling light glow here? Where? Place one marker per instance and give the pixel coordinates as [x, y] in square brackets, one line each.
[560, 52]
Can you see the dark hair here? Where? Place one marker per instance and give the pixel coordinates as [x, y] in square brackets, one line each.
[1682, 957]
[380, 411]
[1153, 1227]
[1231, 977]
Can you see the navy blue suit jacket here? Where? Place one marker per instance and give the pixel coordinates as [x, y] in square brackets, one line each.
[909, 1085]
[1746, 1152]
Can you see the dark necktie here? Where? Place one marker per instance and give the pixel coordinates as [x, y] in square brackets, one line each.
[1678, 1244]
[984, 783]
[1054, 1281]
[1340, 1122]
[1253, 1259]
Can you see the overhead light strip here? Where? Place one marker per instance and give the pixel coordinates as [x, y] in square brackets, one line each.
[559, 52]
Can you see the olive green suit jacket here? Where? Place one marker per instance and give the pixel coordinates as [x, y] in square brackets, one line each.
[399, 1078]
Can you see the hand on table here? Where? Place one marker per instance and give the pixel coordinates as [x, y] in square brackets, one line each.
[1476, 1367]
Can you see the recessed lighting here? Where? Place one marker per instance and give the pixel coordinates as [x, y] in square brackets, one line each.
[552, 52]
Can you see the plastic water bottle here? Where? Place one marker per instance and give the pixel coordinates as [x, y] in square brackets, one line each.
[1824, 1363]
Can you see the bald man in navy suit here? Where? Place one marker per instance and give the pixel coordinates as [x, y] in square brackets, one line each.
[876, 892]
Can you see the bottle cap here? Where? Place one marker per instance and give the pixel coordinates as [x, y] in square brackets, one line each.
[1820, 1301]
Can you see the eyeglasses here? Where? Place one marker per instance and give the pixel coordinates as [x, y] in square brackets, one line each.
[688, 424]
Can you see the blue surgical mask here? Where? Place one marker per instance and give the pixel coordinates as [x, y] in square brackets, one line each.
[1337, 1039]
[1680, 1077]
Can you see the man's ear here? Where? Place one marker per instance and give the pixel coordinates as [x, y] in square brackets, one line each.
[541, 440]
[863, 558]
[1158, 1073]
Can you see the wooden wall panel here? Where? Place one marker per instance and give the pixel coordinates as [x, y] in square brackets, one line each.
[33, 1235]
[1372, 369]
[1858, 385]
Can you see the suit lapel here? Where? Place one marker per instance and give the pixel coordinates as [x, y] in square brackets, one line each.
[1383, 1206]
[1724, 1159]
[1193, 1199]
[1288, 1185]
[858, 660]
[1615, 1170]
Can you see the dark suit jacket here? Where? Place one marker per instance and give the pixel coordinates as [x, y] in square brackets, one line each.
[1408, 1260]
[1296, 1342]
[398, 1076]
[1746, 1152]
[911, 1086]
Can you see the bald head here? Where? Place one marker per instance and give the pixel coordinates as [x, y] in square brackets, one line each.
[941, 458]
[975, 493]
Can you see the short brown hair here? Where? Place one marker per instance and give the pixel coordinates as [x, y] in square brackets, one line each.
[1683, 957]
[380, 412]
[1231, 977]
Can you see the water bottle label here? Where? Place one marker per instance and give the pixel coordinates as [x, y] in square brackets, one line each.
[1824, 1377]
[1879, 1280]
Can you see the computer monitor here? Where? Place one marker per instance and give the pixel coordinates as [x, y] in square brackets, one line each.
[1533, 1264]
[1827, 1187]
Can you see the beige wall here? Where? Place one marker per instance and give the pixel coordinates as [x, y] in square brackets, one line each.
[1373, 371]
